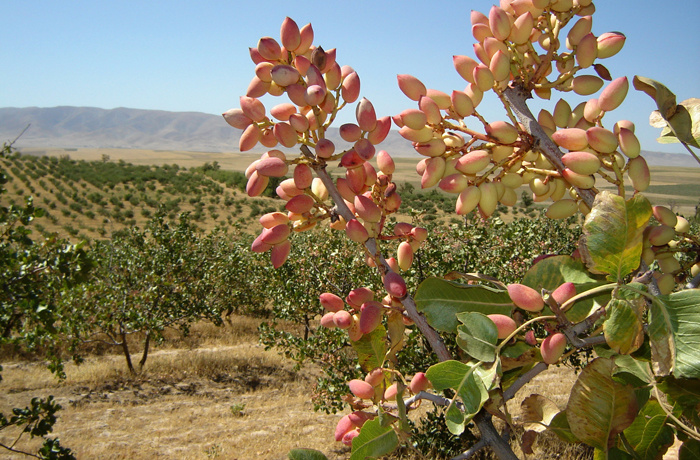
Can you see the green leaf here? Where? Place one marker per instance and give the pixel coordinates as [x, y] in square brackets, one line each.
[623, 327]
[371, 349]
[306, 454]
[664, 98]
[373, 441]
[467, 380]
[674, 331]
[477, 336]
[537, 412]
[553, 271]
[685, 394]
[612, 234]
[690, 450]
[649, 435]
[441, 300]
[612, 454]
[599, 407]
[560, 426]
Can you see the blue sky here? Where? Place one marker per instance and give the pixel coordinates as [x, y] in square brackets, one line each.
[193, 56]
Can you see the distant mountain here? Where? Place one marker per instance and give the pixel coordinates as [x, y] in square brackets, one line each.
[90, 127]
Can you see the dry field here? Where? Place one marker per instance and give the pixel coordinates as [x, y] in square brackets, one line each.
[214, 394]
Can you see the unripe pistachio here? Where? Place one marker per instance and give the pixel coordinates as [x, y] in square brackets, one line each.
[562, 113]
[669, 265]
[500, 66]
[530, 338]
[570, 138]
[343, 427]
[356, 231]
[300, 204]
[333, 77]
[601, 140]
[581, 181]
[562, 209]
[666, 282]
[491, 46]
[505, 325]
[390, 392]
[279, 253]
[269, 49]
[394, 285]
[580, 29]
[259, 245]
[502, 131]
[638, 172]
[411, 86]
[623, 124]
[350, 88]
[433, 148]
[284, 75]
[585, 85]
[367, 209]
[483, 78]
[661, 235]
[349, 436]
[327, 320]
[365, 114]
[682, 225]
[564, 292]
[413, 118]
[289, 34]
[350, 132]
[584, 163]
[416, 135]
[370, 316]
[307, 37]
[375, 377]
[468, 200]
[431, 110]
[546, 120]
[419, 383]
[342, 319]
[361, 389]
[481, 32]
[462, 104]
[553, 347]
[561, 6]
[381, 131]
[276, 234]
[477, 17]
[629, 144]
[356, 180]
[257, 87]
[256, 184]
[237, 119]
[419, 234]
[365, 149]
[331, 302]
[488, 200]
[473, 162]
[591, 110]
[509, 197]
[609, 44]
[587, 51]
[440, 98]
[695, 270]
[283, 111]
[404, 255]
[454, 183]
[522, 29]
[499, 23]
[434, 170]
[525, 297]
[452, 140]
[614, 93]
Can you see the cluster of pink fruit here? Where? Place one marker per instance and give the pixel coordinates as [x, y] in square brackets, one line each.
[317, 87]
[373, 388]
[660, 244]
[485, 165]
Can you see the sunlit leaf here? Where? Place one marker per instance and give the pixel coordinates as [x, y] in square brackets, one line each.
[664, 98]
[466, 381]
[623, 327]
[477, 335]
[373, 441]
[612, 237]
[674, 331]
[441, 300]
[371, 349]
[649, 435]
[599, 408]
[537, 412]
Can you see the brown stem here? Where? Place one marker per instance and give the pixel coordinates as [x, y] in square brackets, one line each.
[125, 349]
[144, 356]
[516, 96]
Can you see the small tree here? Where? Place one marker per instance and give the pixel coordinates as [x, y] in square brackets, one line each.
[618, 292]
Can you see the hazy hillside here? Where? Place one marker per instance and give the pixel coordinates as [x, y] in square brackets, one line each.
[89, 127]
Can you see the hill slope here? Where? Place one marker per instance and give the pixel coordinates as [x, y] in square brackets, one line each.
[124, 128]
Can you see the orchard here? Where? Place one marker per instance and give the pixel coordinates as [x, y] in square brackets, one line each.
[628, 295]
